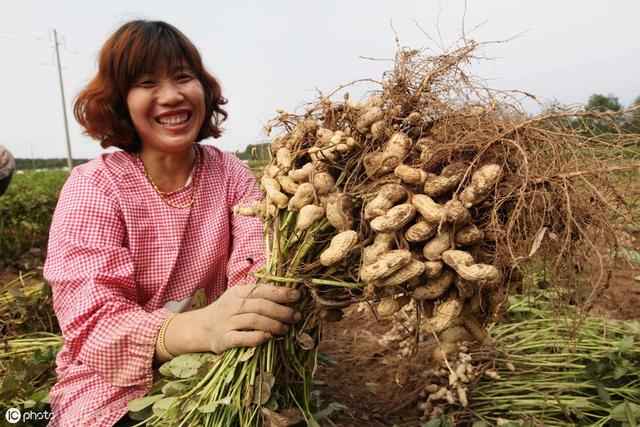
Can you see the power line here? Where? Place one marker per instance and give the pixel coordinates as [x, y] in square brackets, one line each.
[41, 43]
[7, 58]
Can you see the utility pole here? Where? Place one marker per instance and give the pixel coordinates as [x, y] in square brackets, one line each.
[64, 105]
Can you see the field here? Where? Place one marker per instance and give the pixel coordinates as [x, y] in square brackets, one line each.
[362, 377]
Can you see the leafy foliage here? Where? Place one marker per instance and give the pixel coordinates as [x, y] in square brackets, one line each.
[26, 210]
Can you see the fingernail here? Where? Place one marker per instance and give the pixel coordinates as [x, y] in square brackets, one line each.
[297, 317]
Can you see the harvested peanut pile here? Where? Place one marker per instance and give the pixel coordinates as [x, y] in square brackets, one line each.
[432, 191]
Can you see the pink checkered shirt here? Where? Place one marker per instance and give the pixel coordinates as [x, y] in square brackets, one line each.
[117, 254]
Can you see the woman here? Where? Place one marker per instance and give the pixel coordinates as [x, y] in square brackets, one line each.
[145, 258]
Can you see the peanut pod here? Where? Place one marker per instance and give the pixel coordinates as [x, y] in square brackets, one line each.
[464, 264]
[386, 265]
[434, 288]
[388, 195]
[340, 246]
[410, 271]
[395, 218]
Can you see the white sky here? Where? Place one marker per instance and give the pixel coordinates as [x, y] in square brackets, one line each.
[275, 54]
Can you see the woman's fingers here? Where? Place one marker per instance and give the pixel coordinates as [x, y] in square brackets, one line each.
[253, 321]
[269, 309]
[245, 338]
[278, 294]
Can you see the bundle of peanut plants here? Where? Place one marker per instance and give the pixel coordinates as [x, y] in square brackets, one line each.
[27, 363]
[433, 191]
[547, 372]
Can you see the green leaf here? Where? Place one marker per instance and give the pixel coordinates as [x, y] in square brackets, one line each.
[326, 359]
[480, 424]
[211, 406]
[626, 411]
[626, 343]
[436, 422]
[165, 369]
[326, 412]
[620, 371]
[185, 365]
[173, 388]
[140, 403]
[602, 393]
[161, 407]
[141, 415]
[230, 376]
[337, 406]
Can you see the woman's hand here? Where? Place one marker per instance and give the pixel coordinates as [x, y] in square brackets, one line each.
[243, 316]
[248, 315]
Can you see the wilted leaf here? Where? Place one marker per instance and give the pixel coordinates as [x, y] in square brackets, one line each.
[305, 341]
[261, 392]
[371, 388]
[629, 254]
[537, 240]
[285, 418]
[246, 354]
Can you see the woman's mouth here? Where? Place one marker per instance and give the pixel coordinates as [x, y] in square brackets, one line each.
[174, 119]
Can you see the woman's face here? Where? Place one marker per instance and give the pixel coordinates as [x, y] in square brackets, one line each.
[167, 109]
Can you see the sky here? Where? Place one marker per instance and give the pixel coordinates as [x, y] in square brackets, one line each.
[280, 53]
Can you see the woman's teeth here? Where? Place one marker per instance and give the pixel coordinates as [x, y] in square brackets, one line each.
[173, 120]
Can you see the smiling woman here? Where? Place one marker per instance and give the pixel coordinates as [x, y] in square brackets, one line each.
[145, 258]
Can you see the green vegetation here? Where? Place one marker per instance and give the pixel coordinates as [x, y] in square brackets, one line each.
[26, 164]
[255, 152]
[26, 210]
[559, 371]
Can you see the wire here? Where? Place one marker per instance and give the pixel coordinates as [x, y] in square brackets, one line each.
[7, 58]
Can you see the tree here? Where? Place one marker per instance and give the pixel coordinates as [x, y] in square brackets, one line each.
[603, 103]
[633, 122]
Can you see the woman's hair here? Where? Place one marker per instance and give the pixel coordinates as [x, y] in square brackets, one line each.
[136, 48]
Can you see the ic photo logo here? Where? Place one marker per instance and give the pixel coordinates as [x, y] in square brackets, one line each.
[13, 415]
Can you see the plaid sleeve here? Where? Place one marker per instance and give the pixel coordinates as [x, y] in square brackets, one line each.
[247, 245]
[94, 293]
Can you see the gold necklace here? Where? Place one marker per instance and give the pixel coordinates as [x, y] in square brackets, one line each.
[194, 187]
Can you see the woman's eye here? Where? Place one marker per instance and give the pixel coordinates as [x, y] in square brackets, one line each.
[183, 78]
[146, 83]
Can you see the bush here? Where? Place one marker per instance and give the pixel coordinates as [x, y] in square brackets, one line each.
[26, 210]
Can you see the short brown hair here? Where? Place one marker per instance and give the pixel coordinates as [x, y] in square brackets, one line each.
[136, 48]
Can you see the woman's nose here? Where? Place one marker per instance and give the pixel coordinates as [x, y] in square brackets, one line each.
[169, 93]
